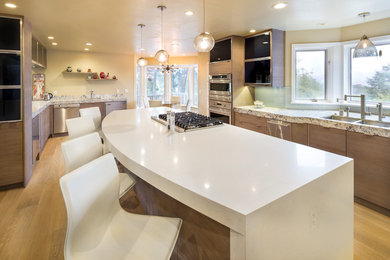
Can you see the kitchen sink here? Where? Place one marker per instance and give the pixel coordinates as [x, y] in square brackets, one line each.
[374, 123]
[342, 118]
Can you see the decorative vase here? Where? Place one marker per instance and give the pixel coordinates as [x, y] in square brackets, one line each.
[102, 75]
[69, 69]
[78, 70]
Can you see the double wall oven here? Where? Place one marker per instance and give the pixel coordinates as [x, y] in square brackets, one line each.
[220, 97]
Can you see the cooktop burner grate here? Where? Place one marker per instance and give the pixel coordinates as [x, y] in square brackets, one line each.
[192, 121]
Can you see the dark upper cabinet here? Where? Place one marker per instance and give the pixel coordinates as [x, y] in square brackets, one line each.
[38, 54]
[258, 46]
[222, 51]
[264, 59]
[10, 29]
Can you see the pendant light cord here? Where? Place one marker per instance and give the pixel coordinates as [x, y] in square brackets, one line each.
[204, 15]
[162, 29]
[142, 49]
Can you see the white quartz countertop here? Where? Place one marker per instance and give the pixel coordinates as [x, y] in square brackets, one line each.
[38, 107]
[317, 117]
[227, 166]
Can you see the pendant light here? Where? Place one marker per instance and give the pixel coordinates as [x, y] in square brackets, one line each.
[162, 55]
[365, 47]
[204, 42]
[141, 61]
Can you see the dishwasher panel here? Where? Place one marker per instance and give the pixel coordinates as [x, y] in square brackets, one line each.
[63, 112]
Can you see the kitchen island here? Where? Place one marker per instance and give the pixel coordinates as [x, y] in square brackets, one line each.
[278, 200]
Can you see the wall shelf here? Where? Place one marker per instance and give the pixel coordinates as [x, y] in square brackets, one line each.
[100, 79]
[80, 73]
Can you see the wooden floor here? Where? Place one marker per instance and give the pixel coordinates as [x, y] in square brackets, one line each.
[33, 219]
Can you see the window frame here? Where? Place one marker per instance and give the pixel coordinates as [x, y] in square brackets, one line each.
[347, 49]
[168, 82]
[333, 69]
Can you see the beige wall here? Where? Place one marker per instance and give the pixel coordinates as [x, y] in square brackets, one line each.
[375, 28]
[120, 65]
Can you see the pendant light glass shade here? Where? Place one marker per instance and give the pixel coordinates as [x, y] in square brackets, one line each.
[162, 56]
[142, 62]
[365, 48]
[204, 42]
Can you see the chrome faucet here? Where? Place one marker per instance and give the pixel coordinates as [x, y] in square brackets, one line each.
[380, 111]
[91, 94]
[363, 112]
[347, 109]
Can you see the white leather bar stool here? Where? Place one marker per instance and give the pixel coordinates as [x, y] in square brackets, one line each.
[99, 229]
[79, 126]
[82, 150]
[94, 113]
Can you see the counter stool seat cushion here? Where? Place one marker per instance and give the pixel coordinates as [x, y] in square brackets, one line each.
[94, 113]
[83, 149]
[99, 229]
[79, 126]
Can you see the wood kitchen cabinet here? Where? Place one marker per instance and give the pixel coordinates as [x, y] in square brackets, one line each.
[115, 105]
[328, 139]
[371, 155]
[299, 133]
[250, 122]
[44, 127]
[11, 153]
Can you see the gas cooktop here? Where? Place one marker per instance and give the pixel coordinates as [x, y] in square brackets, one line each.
[188, 121]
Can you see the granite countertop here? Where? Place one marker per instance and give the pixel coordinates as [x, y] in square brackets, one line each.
[38, 107]
[75, 100]
[317, 117]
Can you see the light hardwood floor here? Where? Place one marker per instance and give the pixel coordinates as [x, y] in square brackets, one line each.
[33, 219]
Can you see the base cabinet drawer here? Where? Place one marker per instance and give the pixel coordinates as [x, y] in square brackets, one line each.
[115, 105]
[328, 139]
[250, 122]
[299, 133]
[371, 155]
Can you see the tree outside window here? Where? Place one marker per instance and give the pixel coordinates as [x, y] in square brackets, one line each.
[371, 75]
[310, 74]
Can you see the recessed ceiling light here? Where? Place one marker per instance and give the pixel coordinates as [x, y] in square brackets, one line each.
[86, 49]
[54, 43]
[50, 37]
[280, 5]
[252, 30]
[9, 5]
[189, 12]
[88, 44]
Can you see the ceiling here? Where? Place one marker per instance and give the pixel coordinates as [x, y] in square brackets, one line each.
[112, 25]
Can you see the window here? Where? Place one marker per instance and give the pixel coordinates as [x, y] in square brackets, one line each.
[154, 83]
[179, 84]
[195, 88]
[182, 82]
[138, 86]
[371, 76]
[310, 71]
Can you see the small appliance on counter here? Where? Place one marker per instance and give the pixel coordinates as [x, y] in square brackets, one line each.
[47, 96]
